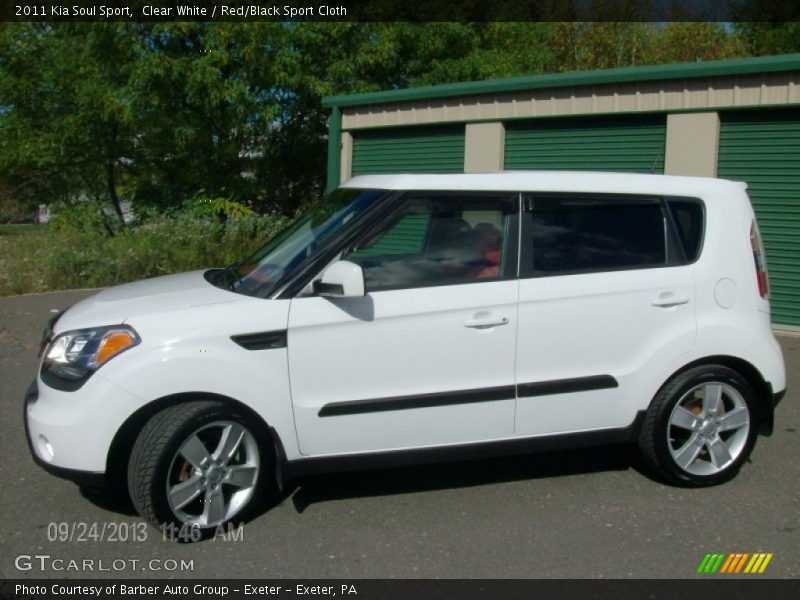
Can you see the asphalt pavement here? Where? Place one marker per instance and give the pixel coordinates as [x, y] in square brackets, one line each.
[572, 514]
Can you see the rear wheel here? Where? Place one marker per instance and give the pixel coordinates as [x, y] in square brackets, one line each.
[700, 427]
[197, 466]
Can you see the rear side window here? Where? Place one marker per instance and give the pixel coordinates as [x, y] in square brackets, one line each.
[687, 214]
[577, 235]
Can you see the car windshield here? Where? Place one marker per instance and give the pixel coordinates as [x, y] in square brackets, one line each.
[261, 273]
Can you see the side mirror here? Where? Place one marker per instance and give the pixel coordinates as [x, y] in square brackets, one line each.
[342, 279]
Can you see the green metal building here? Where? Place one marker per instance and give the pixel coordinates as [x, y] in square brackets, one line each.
[735, 119]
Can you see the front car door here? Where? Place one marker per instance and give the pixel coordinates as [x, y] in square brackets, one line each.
[605, 303]
[426, 357]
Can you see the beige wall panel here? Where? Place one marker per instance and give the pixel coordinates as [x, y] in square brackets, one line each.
[561, 102]
[521, 104]
[438, 111]
[346, 162]
[794, 89]
[484, 147]
[583, 102]
[540, 103]
[649, 96]
[672, 95]
[722, 93]
[747, 94]
[692, 143]
[485, 108]
[696, 93]
[471, 109]
[603, 100]
[458, 111]
[505, 107]
[774, 90]
[626, 99]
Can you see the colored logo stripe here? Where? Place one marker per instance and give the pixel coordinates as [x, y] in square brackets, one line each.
[736, 562]
[711, 563]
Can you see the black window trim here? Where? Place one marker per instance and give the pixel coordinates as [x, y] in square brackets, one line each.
[674, 225]
[526, 268]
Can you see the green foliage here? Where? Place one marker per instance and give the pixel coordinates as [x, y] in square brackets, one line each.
[13, 210]
[217, 208]
[87, 216]
[767, 27]
[70, 256]
[609, 44]
[158, 113]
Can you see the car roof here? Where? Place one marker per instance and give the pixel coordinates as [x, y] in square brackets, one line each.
[547, 181]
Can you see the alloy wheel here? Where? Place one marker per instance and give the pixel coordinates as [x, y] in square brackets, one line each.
[708, 428]
[213, 474]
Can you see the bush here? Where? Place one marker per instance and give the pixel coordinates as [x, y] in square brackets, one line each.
[72, 253]
[221, 209]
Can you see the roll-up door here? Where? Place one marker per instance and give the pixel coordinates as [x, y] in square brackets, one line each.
[763, 149]
[608, 143]
[409, 150]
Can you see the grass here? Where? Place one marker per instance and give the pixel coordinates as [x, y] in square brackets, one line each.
[11, 230]
[41, 258]
[12, 238]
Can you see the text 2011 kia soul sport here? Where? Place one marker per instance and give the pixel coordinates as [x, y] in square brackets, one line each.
[419, 317]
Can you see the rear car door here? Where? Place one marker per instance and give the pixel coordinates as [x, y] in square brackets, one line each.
[426, 357]
[605, 302]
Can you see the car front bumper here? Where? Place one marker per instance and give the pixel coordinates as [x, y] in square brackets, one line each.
[69, 434]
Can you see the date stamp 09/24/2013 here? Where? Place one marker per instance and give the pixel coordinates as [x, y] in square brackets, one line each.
[112, 531]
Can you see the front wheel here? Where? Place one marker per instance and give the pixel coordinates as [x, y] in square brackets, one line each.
[196, 466]
[701, 426]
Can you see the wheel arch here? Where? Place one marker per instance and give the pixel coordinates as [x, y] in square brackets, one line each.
[763, 390]
[122, 444]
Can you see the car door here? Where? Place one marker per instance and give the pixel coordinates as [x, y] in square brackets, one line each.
[426, 357]
[605, 303]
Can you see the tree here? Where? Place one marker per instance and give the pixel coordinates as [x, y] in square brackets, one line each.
[767, 27]
[158, 113]
[66, 126]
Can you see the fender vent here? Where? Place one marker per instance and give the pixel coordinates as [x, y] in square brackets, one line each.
[265, 340]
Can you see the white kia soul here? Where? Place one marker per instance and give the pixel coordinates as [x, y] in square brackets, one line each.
[413, 318]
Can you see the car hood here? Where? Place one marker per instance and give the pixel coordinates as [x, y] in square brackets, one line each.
[150, 296]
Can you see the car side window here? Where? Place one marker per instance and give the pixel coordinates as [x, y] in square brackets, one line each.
[575, 234]
[439, 239]
[689, 219]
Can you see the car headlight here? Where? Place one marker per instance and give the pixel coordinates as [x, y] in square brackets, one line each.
[47, 334]
[74, 355]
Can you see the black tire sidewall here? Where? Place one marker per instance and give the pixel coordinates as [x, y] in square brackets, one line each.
[191, 424]
[672, 395]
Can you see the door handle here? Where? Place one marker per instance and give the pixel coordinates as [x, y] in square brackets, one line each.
[486, 323]
[669, 300]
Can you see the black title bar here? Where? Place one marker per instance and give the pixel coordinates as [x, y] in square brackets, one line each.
[397, 10]
[733, 587]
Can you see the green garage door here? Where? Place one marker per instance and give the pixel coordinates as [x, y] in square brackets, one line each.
[763, 149]
[409, 150]
[610, 143]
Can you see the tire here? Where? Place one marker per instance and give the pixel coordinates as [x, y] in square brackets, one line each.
[682, 437]
[191, 491]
